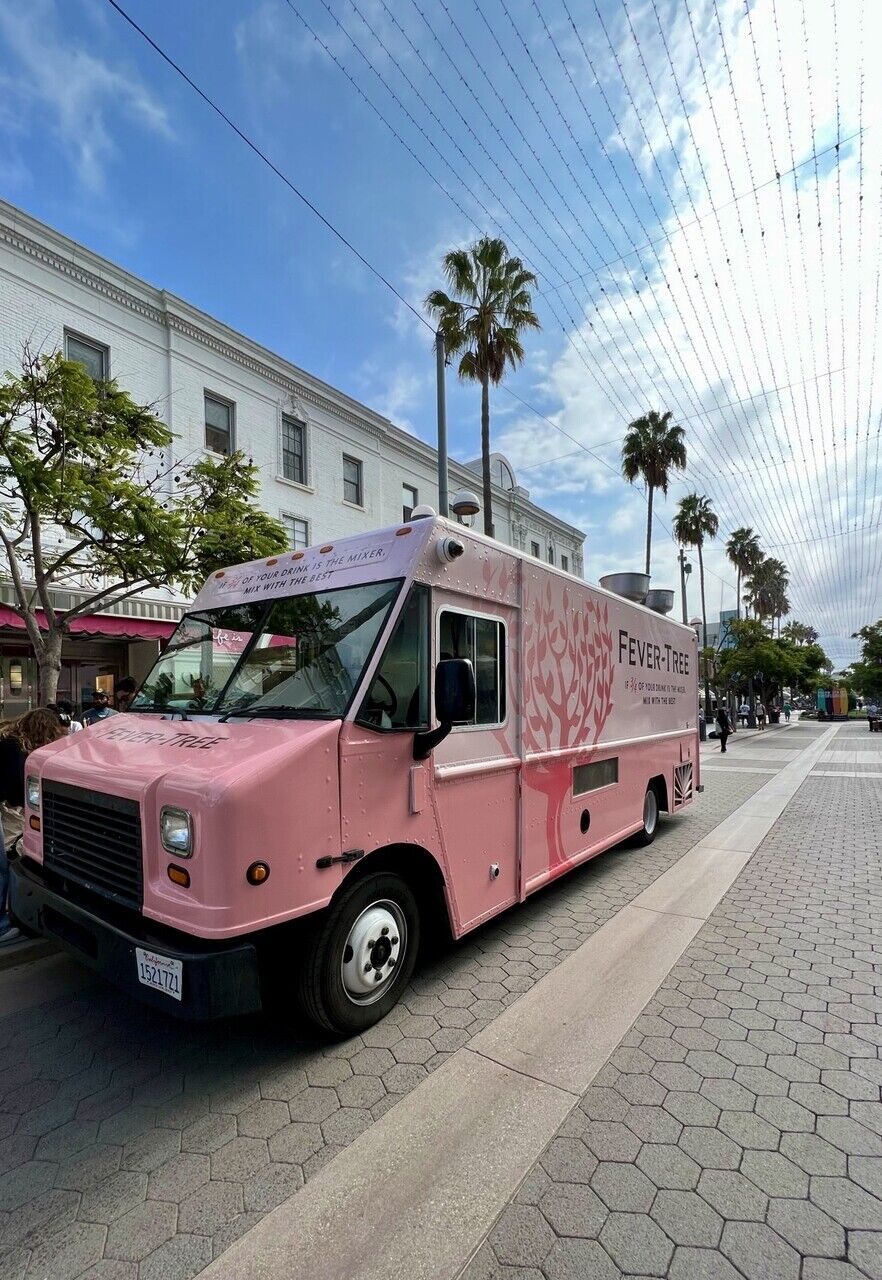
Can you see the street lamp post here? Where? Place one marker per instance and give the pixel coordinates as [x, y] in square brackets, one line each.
[442, 425]
[696, 625]
[685, 570]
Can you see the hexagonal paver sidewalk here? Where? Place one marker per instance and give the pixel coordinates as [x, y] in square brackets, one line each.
[142, 1147]
[737, 1129]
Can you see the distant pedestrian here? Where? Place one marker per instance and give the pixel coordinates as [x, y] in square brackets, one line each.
[744, 714]
[99, 710]
[125, 692]
[787, 710]
[761, 715]
[724, 726]
[65, 712]
[18, 738]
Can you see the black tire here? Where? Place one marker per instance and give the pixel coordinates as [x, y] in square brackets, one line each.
[322, 991]
[651, 809]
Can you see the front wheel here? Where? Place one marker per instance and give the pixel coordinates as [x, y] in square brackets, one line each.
[362, 955]
[650, 818]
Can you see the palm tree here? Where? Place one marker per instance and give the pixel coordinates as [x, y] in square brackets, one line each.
[695, 522]
[482, 322]
[767, 589]
[652, 449]
[743, 550]
[800, 633]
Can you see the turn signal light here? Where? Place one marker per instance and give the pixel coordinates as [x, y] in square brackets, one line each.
[34, 822]
[178, 875]
[257, 873]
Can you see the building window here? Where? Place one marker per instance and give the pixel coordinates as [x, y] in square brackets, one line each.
[353, 489]
[294, 450]
[551, 555]
[93, 356]
[482, 641]
[565, 563]
[218, 425]
[409, 499]
[534, 549]
[297, 530]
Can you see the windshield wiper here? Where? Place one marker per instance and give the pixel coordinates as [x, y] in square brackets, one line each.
[276, 713]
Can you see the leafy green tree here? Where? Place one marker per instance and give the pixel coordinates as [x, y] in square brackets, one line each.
[92, 501]
[799, 633]
[780, 661]
[652, 449]
[483, 321]
[866, 673]
[743, 551]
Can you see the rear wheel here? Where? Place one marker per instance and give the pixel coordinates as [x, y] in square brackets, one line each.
[650, 817]
[362, 955]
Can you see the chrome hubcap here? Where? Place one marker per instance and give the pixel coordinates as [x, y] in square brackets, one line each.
[373, 951]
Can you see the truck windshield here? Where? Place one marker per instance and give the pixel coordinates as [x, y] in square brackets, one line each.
[301, 656]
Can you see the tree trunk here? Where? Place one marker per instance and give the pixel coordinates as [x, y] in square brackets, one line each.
[649, 527]
[485, 455]
[49, 665]
[738, 596]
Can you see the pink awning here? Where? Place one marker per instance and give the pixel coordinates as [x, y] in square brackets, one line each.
[98, 626]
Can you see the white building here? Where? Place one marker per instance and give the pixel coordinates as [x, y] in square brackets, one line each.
[329, 465]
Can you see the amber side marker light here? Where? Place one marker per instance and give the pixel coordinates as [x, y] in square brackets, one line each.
[178, 875]
[34, 822]
[257, 873]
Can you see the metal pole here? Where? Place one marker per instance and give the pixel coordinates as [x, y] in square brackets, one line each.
[682, 559]
[443, 497]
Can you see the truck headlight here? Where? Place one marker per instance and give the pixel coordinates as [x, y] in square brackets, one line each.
[32, 791]
[176, 831]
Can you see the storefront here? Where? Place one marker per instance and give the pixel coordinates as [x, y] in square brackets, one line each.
[97, 654]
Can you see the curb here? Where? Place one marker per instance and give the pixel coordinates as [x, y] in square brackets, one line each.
[26, 951]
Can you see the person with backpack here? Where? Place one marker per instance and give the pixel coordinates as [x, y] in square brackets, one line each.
[18, 738]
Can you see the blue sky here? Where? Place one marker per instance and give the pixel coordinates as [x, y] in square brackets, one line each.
[578, 142]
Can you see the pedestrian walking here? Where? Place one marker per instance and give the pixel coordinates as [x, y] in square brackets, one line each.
[99, 710]
[787, 710]
[744, 714]
[18, 738]
[724, 726]
[761, 715]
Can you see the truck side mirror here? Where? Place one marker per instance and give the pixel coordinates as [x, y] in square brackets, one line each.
[454, 691]
[454, 703]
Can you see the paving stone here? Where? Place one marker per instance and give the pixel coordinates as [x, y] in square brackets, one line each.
[522, 1236]
[22, 1184]
[611, 1140]
[572, 1209]
[35, 1221]
[687, 1219]
[604, 1104]
[636, 1244]
[735, 1197]
[749, 1130]
[813, 1154]
[209, 1134]
[569, 1160]
[623, 1187]
[68, 1252]
[850, 1205]
[775, 1174]
[853, 1136]
[807, 1228]
[691, 1108]
[239, 1159]
[179, 1176]
[577, 1260]
[701, 1264]
[111, 1269]
[264, 1118]
[269, 1188]
[865, 1251]
[758, 1252]
[668, 1167]
[205, 1210]
[785, 1114]
[113, 1197]
[652, 1124]
[710, 1148]
[177, 1259]
[143, 1229]
[827, 1269]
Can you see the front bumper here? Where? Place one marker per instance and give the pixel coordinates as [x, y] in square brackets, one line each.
[219, 979]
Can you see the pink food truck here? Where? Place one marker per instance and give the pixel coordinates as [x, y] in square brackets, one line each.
[338, 749]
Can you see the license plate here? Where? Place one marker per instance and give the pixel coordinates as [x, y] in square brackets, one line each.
[160, 972]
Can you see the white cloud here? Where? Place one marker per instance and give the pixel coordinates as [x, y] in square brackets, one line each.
[50, 80]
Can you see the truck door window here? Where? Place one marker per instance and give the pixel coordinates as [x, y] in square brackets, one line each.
[482, 641]
[399, 694]
[199, 659]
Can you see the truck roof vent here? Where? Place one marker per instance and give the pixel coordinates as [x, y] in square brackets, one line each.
[660, 600]
[632, 586]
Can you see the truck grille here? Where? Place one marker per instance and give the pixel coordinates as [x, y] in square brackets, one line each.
[95, 840]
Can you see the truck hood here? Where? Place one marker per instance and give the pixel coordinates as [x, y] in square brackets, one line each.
[131, 754]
